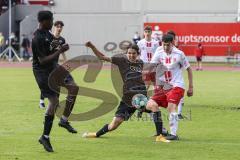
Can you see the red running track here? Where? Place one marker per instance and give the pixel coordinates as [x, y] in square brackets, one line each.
[107, 66]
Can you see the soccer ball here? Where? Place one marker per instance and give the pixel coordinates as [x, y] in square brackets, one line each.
[139, 101]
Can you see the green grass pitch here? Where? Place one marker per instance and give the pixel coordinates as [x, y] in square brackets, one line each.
[211, 134]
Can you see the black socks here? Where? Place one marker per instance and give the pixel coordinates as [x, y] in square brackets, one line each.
[158, 122]
[48, 124]
[102, 131]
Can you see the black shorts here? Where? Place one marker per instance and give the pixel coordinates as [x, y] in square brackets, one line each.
[68, 79]
[124, 111]
[41, 77]
[199, 59]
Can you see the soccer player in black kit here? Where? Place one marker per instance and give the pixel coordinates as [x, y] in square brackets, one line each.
[130, 67]
[45, 60]
[58, 41]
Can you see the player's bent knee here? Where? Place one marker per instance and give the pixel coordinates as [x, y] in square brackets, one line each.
[73, 90]
[171, 107]
[152, 105]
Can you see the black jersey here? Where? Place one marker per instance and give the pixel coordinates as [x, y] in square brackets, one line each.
[131, 74]
[42, 47]
[56, 44]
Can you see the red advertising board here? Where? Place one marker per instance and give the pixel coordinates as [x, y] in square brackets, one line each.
[218, 39]
[39, 2]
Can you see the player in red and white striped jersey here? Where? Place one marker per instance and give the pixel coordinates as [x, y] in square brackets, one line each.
[170, 81]
[147, 47]
[181, 103]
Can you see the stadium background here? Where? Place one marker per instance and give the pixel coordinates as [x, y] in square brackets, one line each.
[103, 21]
[210, 130]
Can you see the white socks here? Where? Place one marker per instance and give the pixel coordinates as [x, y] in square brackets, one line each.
[46, 136]
[65, 119]
[180, 105]
[173, 123]
[41, 101]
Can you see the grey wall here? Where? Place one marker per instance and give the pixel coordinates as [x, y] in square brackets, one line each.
[4, 23]
[24, 26]
[192, 6]
[102, 21]
[27, 14]
[99, 28]
[169, 6]
[19, 13]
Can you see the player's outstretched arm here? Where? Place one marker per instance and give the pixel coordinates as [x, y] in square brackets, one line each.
[97, 52]
[190, 81]
[47, 59]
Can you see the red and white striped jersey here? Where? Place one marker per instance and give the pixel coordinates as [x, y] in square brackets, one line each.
[147, 49]
[173, 64]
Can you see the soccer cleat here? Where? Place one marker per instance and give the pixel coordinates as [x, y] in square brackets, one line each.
[89, 135]
[46, 143]
[172, 137]
[161, 138]
[67, 126]
[41, 105]
[164, 132]
[180, 116]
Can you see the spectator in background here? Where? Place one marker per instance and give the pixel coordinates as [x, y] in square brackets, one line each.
[1, 42]
[15, 2]
[25, 2]
[3, 6]
[26, 47]
[14, 43]
[157, 36]
[199, 52]
[136, 38]
[5, 2]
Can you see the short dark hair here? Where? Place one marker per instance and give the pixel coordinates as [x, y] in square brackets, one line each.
[44, 15]
[135, 47]
[59, 23]
[148, 28]
[172, 33]
[166, 38]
